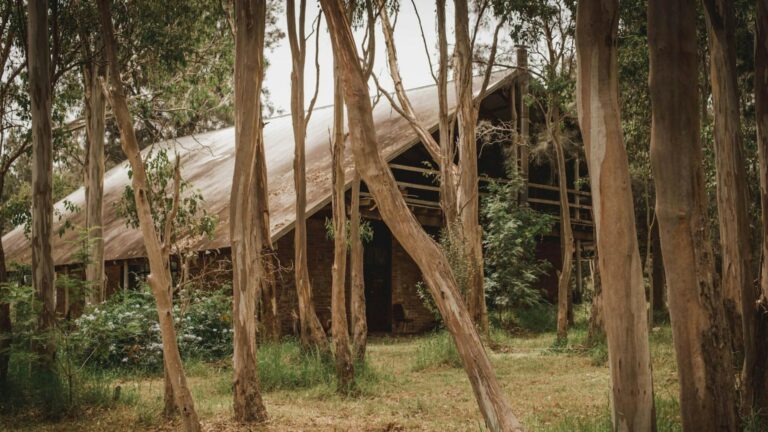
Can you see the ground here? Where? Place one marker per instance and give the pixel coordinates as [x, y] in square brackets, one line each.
[550, 389]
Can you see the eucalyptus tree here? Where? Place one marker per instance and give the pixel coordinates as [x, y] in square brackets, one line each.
[430, 259]
[619, 260]
[699, 325]
[159, 278]
[760, 397]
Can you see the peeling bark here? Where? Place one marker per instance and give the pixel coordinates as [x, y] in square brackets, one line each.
[245, 230]
[626, 320]
[407, 230]
[40, 92]
[699, 326]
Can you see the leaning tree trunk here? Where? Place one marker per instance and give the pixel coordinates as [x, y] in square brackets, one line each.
[699, 324]
[38, 59]
[626, 321]
[566, 234]
[740, 293]
[310, 329]
[95, 110]
[6, 326]
[244, 230]
[468, 196]
[159, 278]
[345, 373]
[406, 229]
[760, 376]
[357, 278]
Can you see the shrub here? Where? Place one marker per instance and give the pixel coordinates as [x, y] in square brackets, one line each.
[124, 331]
[510, 234]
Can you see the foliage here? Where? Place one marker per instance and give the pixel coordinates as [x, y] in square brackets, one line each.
[286, 365]
[191, 217]
[366, 230]
[124, 331]
[511, 232]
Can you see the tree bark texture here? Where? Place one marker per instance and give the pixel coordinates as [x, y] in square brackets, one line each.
[40, 94]
[406, 229]
[6, 326]
[245, 231]
[760, 376]
[345, 373]
[738, 289]
[468, 197]
[566, 234]
[699, 324]
[159, 278]
[626, 320]
[357, 277]
[311, 331]
[95, 111]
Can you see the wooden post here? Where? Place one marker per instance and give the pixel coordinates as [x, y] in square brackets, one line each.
[522, 64]
[579, 274]
[514, 156]
[125, 275]
[576, 194]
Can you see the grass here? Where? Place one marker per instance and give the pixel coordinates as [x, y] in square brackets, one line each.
[413, 383]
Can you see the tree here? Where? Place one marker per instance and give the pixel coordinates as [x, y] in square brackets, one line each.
[358, 322]
[699, 324]
[406, 229]
[620, 268]
[40, 90]
[345, 372]
[760, 377]
[311, 331]
[159, 278]
[738, 289]
[246, 234]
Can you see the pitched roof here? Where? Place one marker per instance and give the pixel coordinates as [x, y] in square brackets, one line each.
[208, 162]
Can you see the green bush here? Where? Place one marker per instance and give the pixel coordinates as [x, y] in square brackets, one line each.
[124, 331]
[510, 234]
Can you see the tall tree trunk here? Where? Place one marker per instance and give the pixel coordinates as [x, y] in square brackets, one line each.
[311, 331]
[448, 185]
[739, 291]
[357, 278]
[40, 92]
[699, 324]
[657, 271]
[596, 327]
[760, 376]
[159, 278]
[245, 232]
[95, 110]
[345, 373]
[407, 230]
[468, 196]
[626, 320]
[566, 232]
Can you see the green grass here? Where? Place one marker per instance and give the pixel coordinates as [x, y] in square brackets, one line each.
[436, 350]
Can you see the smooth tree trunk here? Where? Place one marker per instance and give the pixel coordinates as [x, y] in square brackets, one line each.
[310, 329]
[40, 94]
[407, 230]
[760, 376]
[566, 235]
[739, 291]
[245, 233]
[95, 111]
[624, 306]
[6, 325]
[345, 373]
[358, 319]
[468, 197]
[159, 278]
[448, 184]
[699, 325]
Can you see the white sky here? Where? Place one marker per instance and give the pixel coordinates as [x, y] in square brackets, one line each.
[414, 67]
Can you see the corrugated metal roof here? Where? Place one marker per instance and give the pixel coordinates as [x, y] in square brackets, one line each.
[208, 162]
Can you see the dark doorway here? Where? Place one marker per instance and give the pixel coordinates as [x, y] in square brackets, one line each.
[378, 279]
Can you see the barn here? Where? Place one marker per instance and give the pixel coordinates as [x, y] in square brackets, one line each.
[391, 277]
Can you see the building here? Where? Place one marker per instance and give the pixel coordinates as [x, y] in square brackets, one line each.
[207, 162]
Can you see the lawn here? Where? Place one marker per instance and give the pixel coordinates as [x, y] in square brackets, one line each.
[410, 383]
